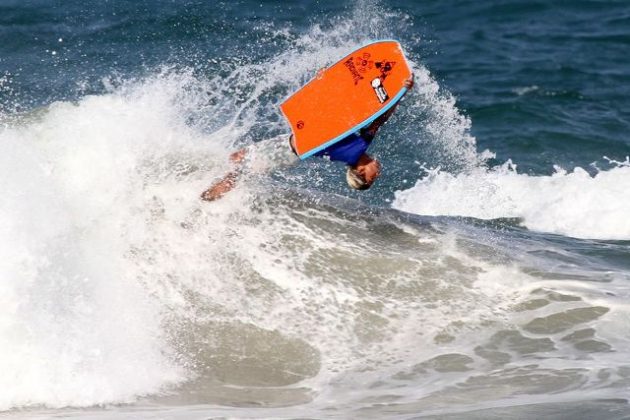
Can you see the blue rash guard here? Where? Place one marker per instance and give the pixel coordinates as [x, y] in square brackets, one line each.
[348, 150]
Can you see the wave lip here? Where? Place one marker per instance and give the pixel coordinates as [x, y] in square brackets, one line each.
[572, 203]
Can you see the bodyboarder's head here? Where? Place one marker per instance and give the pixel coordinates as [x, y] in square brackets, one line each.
[362, 175]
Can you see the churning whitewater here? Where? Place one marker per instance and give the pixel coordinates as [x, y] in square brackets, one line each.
[458, 283]
[573, 203]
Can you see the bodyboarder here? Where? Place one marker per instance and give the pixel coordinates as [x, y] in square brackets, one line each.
[362, 169]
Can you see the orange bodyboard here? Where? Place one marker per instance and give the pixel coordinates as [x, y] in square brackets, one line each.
[346, 96]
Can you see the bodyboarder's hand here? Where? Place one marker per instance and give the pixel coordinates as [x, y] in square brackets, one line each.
[408, 83]
[228, 182]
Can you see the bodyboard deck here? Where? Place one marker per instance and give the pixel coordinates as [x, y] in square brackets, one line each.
[346, 96]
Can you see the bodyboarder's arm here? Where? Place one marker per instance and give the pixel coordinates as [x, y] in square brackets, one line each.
[260, 157]
[227, 183]
[373, 128]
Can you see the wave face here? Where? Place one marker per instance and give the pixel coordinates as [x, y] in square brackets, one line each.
[456, 286]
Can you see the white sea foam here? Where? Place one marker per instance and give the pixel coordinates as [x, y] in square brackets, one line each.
[76, 325]
[571, 203]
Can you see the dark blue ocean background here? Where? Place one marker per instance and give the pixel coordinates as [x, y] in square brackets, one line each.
[488, 269]
[544, 82]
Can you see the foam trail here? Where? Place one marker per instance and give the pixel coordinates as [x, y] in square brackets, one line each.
[568, 203]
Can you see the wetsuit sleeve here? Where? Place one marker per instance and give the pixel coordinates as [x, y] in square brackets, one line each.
[367, 134]
[370, 131]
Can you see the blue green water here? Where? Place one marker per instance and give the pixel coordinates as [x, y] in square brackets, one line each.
[487, 268]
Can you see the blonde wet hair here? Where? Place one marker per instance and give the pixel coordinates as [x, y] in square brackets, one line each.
[355, 179]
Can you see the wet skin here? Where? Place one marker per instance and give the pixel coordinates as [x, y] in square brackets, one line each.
[369, 168]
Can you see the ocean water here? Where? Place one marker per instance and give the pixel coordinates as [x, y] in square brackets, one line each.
[485, 275]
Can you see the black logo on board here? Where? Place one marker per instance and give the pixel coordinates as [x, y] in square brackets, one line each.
[385, 67]
[359, 65]
[349, 63]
